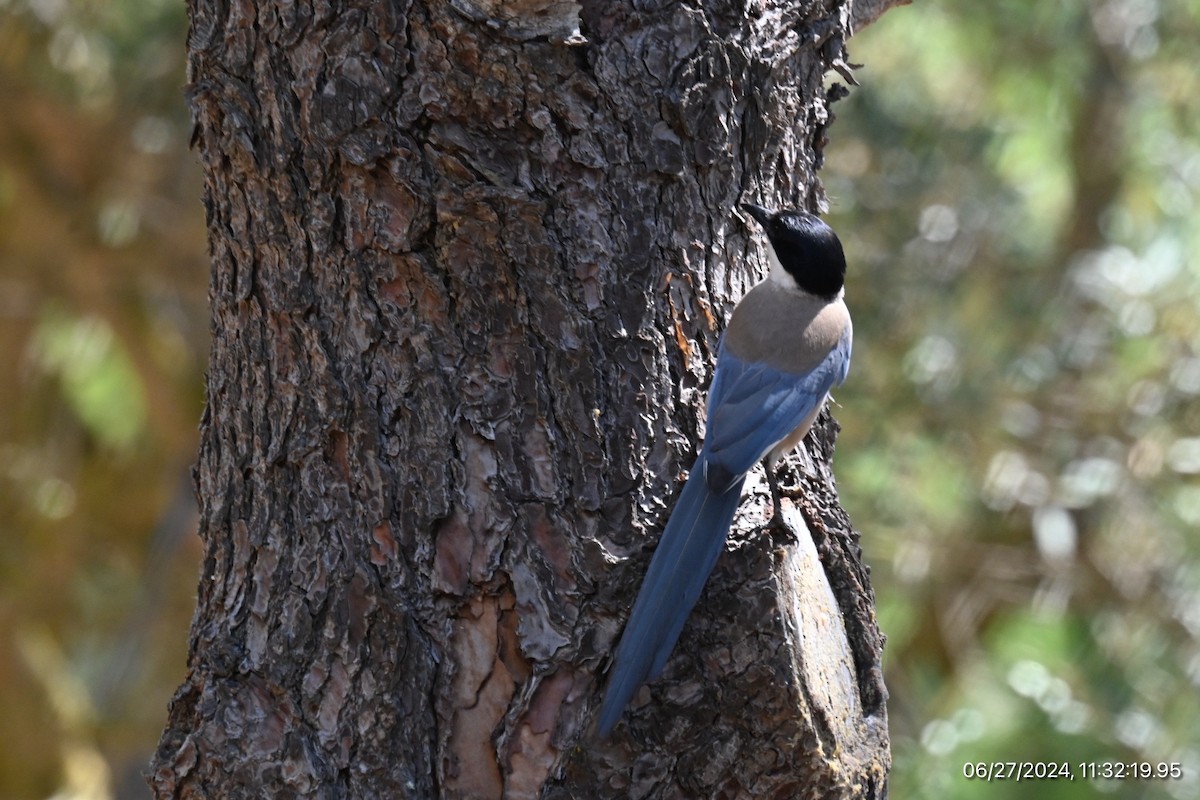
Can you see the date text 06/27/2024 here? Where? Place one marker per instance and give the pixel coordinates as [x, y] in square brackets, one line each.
[1065, 771]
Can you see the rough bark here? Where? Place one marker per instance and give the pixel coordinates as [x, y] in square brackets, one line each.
[471, 261]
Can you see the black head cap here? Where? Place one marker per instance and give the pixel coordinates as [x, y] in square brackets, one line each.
[806, 247]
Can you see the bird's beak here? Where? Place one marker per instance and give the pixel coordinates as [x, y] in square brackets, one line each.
[763, 215]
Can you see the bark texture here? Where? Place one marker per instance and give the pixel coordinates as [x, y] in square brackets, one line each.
[471, 261]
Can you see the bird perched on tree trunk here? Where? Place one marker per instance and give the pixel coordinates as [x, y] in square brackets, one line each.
[787, 344]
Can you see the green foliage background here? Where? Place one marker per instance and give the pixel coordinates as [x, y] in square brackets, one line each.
[103, 338]
[1016, 183]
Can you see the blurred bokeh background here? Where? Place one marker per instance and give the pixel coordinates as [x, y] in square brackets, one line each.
[1017, 185]
[103, 340]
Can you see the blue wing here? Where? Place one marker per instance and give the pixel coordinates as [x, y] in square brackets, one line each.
[753, 407]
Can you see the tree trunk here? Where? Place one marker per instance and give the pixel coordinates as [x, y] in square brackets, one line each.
[471, 261]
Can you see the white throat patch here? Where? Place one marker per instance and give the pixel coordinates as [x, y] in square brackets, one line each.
[778, 275]
[783, 279]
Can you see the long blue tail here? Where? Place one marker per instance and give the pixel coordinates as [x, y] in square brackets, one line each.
[686, 554]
